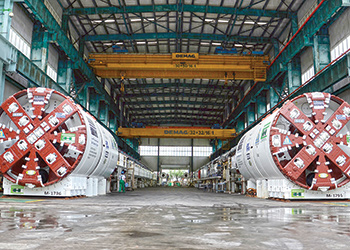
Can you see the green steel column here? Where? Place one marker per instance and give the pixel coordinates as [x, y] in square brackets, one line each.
[276, 48]
[133, 143]
[212, 144]
[261, 104]
[136, 145]
[112, 121]
[321, 49]
[5, 17]
[64, 23]
[295, 25]
[240, 123]
[64, 73]
[83, 96]
[251, 113]
[273, 97]
[2, 82]
[103, 112]
[40, 46]
[294, 74]
[219, 143]
[81, 46]
[94, 101]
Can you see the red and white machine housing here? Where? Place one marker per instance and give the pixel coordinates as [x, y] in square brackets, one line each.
[301, 151]
[50, 146]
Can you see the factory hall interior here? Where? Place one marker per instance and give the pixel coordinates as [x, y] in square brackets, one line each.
[174, 124]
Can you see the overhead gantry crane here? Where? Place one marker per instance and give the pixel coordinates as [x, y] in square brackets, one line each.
[179, 66]
[177, 132]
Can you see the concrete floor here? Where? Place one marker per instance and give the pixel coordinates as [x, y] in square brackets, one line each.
[172, 218]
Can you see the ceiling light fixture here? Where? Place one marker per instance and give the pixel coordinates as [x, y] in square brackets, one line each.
[223, 21]
[105, 21]
[252, 23]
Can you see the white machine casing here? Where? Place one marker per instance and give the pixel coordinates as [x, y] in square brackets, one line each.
[94, 164]
[254, 157]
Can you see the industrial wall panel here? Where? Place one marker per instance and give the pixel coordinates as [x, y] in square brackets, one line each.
[22, 23]
[340, 29]
[175, 142]
[306, 59]
[10, 89]
[53, 57]
[201, 142]
[345, 95]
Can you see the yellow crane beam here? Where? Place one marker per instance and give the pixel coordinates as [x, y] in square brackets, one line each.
[192, 132]
[179, 66]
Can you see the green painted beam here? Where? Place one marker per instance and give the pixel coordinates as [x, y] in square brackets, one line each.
[45, 17]
[333, 74]
[175, 7]
[103, 112]
[171, 35]
[40, 46]
[64, 73]
[177, 107]
[178, 120]
[250, 113]
[200, 103]
[323, 82]
[37, 77]
[94, 102]
[220, 85]
[261, 104]
[133, 143]
[240, 123]
[240, 108]
[112, 121]
[321, 17]
[222, 96]
[83, 94]
[294, 74]
[274, 98]
[321, 49]
[176, 112]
